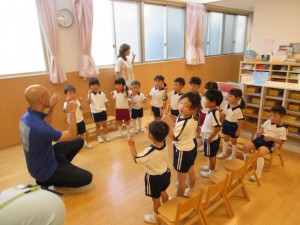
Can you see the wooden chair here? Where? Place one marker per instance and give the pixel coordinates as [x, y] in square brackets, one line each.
[269, 157]
[180, 208]
[250, 162]
[236, 182]
[216, 196]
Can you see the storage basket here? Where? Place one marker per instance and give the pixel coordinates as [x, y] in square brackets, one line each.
[275, 92]
[250, 111]
[253, 89]
[255, 100]
[266, 114]
[271, 103]
[295, 95]
[290, 117]
[293, 129]
[294, 107]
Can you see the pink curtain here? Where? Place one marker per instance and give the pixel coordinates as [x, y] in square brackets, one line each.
[84, 19]
[195, 23]
[47, 14]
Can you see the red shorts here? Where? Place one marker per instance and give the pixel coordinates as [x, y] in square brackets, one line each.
[122, 114]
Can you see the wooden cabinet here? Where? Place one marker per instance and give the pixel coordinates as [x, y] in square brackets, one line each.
[259, 99]
[278, 71]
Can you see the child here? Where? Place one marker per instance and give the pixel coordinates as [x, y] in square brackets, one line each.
[174, 96]
[232, 124]
[210, 130]
[158, 97]
[136, 102]
[121, 97]
[183, 136]
[272, 131]
[70, 92]
[98, 105]
[154, 158]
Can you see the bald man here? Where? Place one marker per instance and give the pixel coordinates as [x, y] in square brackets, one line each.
[50, 164]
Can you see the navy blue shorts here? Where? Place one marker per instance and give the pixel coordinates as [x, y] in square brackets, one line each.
[229, 128]
[260, 141]
[98, 117]
[81, 127]
[174, 112]
[211, 149]
[183, 160]
[155, 184]
[157, 112]
[137, 113]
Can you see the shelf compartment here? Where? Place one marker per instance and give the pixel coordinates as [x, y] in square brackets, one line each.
[271, 103]
[253, 94]
[295, 95]
[253, 89]
[273, 97]
[252, 105]
[251, 115]
[293, 112]
[294, 135]
[293, 100]
[275, 92]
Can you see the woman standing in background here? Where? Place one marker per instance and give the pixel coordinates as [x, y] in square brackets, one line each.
[123, 67]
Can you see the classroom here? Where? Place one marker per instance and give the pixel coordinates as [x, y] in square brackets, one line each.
[54, 54]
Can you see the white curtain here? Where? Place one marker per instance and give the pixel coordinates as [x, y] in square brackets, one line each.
[195, 24]
[84, 20]
[47, 14]
[249, 31]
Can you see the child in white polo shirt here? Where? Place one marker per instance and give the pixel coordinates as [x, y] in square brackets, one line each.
[175, 95]
[158, 97]
[154, 158]
[137, 99]
[271, 131]
[210, 129]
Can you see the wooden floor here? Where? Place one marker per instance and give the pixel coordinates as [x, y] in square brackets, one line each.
[116, 195]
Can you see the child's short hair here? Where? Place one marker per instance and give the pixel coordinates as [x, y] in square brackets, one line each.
[135, 82]
[214, 96]
[93, 81]
[159, 77]
[211, 85]
[159, 130]
[238, 94]
[120, 80]
[278, 109]
[180, 80]
[69, 88]
[194, 99]
[195, 80]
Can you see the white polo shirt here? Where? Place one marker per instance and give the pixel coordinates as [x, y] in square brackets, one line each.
[154, 159]
[157, 97]
[184, 133]
[78, 112]
[212, 120]
[174, 99]
[233, 114]
[122, 99]
[98, 102]
[272, 130]
[138, 99]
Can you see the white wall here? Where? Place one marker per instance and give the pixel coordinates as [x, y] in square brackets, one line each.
[275, 19]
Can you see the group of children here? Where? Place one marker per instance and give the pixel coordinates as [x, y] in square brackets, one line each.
[190, 118]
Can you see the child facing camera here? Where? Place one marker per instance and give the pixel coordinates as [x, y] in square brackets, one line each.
[154, 158]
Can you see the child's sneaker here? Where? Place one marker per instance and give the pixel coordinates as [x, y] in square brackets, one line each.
[221, 156]
[136, 131]
[149, 218]
[252, 178]
[128, 134]
[186, 192]
[230, 158]
[100, 140]
[107, 138]
[142, 130]
[120, 135]
[206, 168]
[205, 174]
[201, 148]
[88, 146]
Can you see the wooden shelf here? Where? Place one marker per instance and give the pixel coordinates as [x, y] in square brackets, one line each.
[293, 112]
[253, 94]
[252, 105]
[274, 97]
[293, 100]
[253, 115]
[292, 122]
[294, 135]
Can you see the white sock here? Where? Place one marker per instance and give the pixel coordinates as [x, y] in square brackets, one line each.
[128, 128]
[225, 146]
[260, 166]
[234, 150]
[245, 155]
[140, 123]
[211, 171]
[154, 216]
[134, 123]
[120, 129]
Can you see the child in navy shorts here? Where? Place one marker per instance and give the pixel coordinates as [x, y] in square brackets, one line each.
[137, 99]
[158, 97]
[271, 131]
[210, 129]
[154, 158]
[175, 95]
[234, 117]
[183, 136]
[98, 104]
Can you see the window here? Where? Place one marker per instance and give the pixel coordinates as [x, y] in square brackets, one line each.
[21, 43]
[225, 33]
[164, 32]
